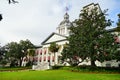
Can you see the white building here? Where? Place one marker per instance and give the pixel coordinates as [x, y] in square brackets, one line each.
[44, 57]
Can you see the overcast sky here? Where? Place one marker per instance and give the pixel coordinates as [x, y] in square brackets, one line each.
[37, 19]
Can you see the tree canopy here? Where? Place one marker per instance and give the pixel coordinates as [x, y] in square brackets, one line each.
[53, 47]
[16, 51]
[89, 38]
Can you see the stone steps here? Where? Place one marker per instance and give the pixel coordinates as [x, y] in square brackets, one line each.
[43, 66]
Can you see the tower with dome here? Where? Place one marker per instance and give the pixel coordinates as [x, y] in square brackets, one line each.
[43, 57]
[63, 28]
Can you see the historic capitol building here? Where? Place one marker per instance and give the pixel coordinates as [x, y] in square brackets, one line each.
[44, 57]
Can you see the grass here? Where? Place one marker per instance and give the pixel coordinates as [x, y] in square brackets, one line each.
[56, 75]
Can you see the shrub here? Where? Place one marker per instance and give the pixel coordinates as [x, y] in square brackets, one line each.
[56, 67]
[29, 64]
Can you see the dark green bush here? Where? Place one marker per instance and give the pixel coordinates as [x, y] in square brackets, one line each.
[89, 69]
[14, 68]
[95, 69]
[29, 64]
[56, 67]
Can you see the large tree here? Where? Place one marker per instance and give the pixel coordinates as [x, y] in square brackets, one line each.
[13, 53]
[3, 60]
[17, 51]
[25, 45]
[89, 38]
[1, 54]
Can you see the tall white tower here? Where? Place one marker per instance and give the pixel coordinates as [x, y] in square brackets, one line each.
[63, 28]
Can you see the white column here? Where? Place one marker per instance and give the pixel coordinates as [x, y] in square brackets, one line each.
[50, 58]
[46, 55]
[56, 58]
[38, 57]
[42, 60]
[65, 30]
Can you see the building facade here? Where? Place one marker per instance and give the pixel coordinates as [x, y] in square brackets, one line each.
[44, 57]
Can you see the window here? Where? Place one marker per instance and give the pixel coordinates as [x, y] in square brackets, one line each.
[44, 58]
[40, 52]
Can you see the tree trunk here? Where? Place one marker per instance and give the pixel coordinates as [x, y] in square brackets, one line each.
[21, 62]
[93, 63]
[92, 56]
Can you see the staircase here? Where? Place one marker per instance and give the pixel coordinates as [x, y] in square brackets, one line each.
[42, 66]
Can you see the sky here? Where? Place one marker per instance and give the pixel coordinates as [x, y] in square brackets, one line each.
[37, 19]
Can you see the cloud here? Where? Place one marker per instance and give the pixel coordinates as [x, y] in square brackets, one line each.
[36, 19]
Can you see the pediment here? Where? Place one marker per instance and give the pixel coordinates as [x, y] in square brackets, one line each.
[54, 37]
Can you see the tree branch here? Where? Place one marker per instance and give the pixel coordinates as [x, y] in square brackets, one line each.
[12, 1]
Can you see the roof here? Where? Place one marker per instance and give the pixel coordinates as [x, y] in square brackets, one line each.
[94, 5]
[90, 4]
[51, 36]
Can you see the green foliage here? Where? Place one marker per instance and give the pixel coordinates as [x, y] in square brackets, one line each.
[3, 58]
[31, 52]
[65, 52]
[13, 50]
[1, 53]
[53, 47]
[90, 39]
[30, 63]
[56, 67]
[91, 69]
[13, 63]
[16, 51]
[3, 62]
[25, 45]
[14, 68]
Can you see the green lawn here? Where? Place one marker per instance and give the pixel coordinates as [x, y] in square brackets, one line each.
[56, 75]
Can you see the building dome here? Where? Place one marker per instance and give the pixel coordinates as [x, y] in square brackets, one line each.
[66, 19]
[64, 25]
